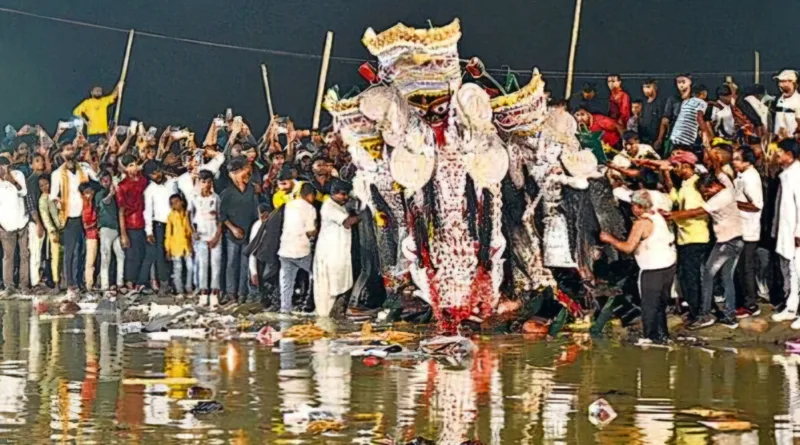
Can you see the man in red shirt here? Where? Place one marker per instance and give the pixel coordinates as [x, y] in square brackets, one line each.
[130, 200]
[612, 130]
[619, 102]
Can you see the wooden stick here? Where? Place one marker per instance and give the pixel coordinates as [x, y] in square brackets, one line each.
[123, 75]
[266, 91]
[576, 24]
[323, 74]
[758, 67]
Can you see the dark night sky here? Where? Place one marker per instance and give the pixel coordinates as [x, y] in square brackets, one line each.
[48, 66]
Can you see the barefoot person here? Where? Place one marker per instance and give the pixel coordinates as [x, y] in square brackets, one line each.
[653, 246]
[333, 266]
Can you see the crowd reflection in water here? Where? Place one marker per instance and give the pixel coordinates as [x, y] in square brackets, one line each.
[75, 379]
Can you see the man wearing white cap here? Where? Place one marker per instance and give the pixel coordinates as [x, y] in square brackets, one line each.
[787, 106]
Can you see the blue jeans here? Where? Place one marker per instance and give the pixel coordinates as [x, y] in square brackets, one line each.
[177, 273]
[722, 260]
[205, 258]
[288, 273]
[236, 270]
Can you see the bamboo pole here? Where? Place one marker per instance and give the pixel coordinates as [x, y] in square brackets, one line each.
[323, 74]
[576, 24]
[123, 75]
[758, 67]
[267, 92]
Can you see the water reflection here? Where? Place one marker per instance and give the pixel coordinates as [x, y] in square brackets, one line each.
[76, 380]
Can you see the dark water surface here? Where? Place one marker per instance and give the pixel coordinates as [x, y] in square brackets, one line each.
[64, 381]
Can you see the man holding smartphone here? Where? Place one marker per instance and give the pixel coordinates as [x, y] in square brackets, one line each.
[14, 227]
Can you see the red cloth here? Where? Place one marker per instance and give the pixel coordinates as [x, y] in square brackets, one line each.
[89, 217]
[130, 197]
[619, 106]
[608, 126]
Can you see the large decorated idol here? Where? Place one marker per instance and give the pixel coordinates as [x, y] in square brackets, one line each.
[537, 138]
[446, 163]
[554, 204]
[382, 263]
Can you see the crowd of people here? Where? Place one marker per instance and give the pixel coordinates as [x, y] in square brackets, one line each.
[104, 209]
[712, 188]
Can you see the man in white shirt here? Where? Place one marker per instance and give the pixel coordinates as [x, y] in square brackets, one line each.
[65, 181]
[208, 239]
[156, 212]
[787, 106]
[13, 227]
[189, 182]
[333, 263]
[299, 227]
[721, 206]
[786, 229]
[750, 201]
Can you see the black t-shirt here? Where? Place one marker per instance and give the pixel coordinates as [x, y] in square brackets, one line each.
[223, 181]
[672, 108]
[240, 208]
[650, 121]
[596, 104]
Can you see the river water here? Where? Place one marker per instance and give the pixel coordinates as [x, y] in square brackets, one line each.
[64, 380]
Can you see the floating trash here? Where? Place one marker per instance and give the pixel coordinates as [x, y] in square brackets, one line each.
[379, 351]
[199, 392]
[728, 425]
[601, 413]
[268, 336]
[133, 327]
[372, 361]
[305, 333]
[454, 346]
[207, 407]
[324, 426]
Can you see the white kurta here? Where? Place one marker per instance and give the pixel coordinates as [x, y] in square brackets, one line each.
[333, 265]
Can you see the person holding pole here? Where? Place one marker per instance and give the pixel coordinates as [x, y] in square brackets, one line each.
[95, 110]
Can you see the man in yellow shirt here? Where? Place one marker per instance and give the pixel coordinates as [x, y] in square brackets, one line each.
[95, 111]
[288, 187]
[693, 233]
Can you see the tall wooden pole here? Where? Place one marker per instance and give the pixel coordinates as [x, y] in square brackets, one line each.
[323, 74]
[758, 67]
[265, 78]
[123, 75]
[576, 24]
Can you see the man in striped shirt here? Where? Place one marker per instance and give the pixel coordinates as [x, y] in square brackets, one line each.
[689, 121]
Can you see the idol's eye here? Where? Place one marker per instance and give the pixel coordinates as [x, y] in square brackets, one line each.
[440, 109]
[420, 112]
